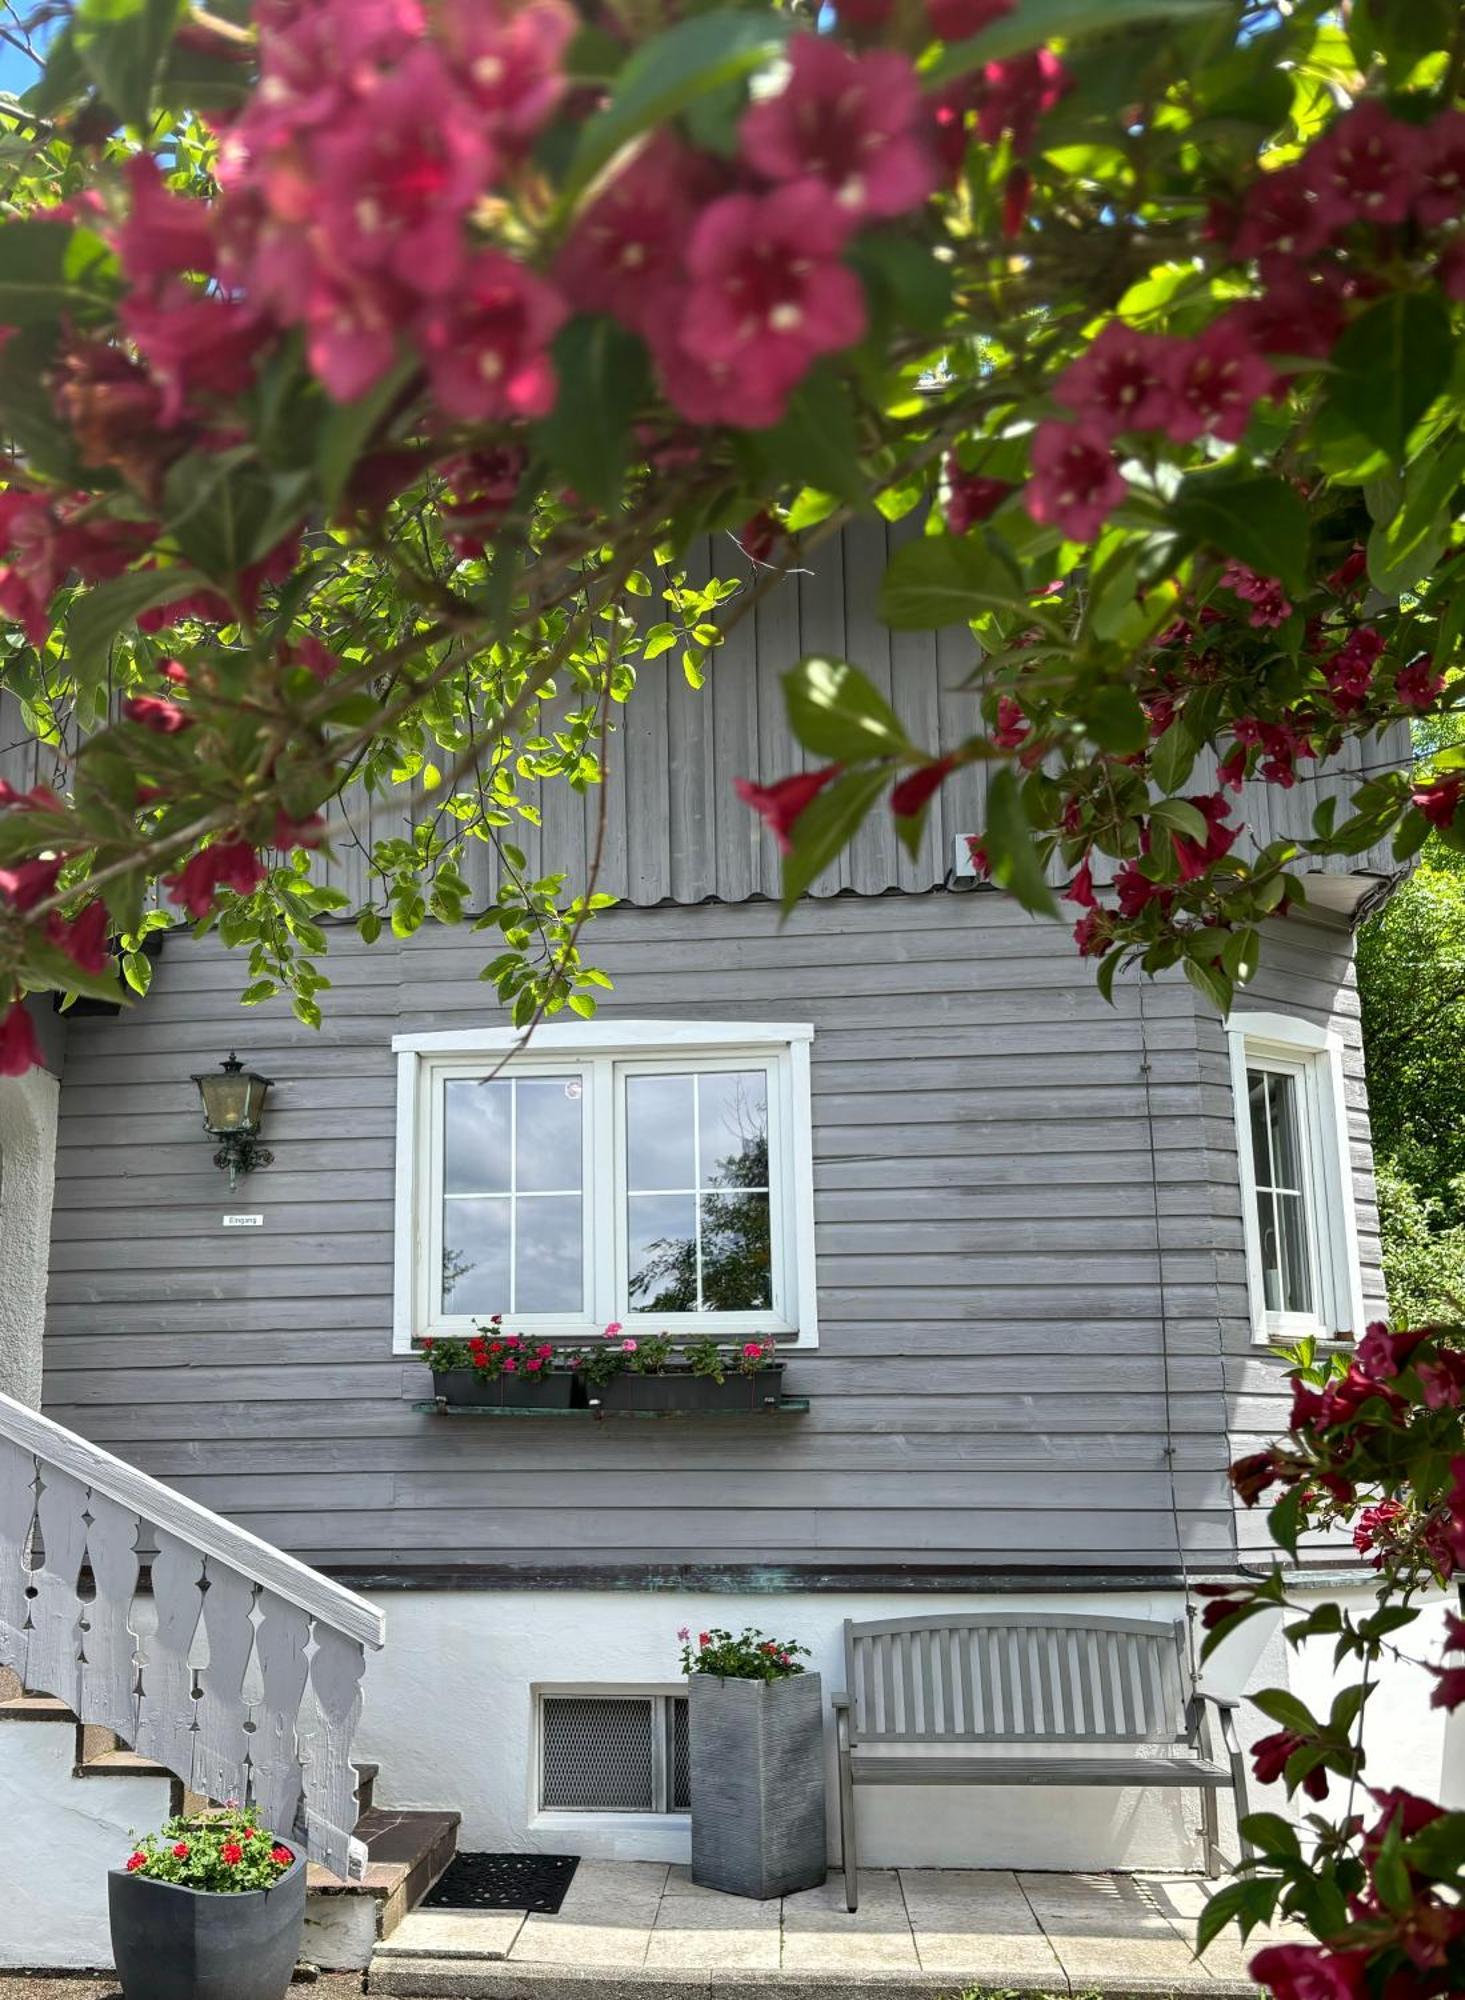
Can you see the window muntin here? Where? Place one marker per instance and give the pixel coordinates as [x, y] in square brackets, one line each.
[661, 1153]
[1279, 1145]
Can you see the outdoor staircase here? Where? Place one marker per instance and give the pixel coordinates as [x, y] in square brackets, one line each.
[155, 1657]
[82, 1784]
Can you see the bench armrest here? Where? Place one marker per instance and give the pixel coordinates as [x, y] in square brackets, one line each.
[1225, 1702]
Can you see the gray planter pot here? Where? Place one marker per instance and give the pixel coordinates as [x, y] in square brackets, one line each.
[170, 1943]
[757, 1785]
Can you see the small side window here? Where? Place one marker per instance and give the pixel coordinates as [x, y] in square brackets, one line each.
[1296, 1179]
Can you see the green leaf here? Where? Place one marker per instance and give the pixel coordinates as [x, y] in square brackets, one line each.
[825, 828]
[1287, 1709]
[348, 426]
[816, 442]
[99, 614]
[1114, 719]
[228, 513]
[660, 639]
[669, 73]
[65, 975]
[1403, 550]
[1272, 1834]
[1174, 755]
[1390, 1870]
[1390, 365]
[603, 378]
[1284, 1522]
[1249, 1903]
[904, 278]
[944, 580]
[834, 711]
[124, 895]
[1035, 22]
[27, 415]
[1438, 1849]
[123, 45]
[1009, 843]
[1255, 517]
[1211, 981]
[44, 272]
[1180, 816]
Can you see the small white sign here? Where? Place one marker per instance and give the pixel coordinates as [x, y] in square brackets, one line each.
[244, 1222]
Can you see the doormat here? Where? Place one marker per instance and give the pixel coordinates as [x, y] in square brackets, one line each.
[535, 1882]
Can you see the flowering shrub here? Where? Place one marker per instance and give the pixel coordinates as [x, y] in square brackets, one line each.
[224, 1852]
[363, 364]
[490, 1353]
[1375, 1445]
[748, 1657]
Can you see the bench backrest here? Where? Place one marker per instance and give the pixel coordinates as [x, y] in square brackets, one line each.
[1000, 1677]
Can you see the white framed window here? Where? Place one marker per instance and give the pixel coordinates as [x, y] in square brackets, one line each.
[1296, 1178]
[611, 1751]
[658, 1173]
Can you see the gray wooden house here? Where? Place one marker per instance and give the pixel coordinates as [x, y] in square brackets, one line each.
[1027, 1253]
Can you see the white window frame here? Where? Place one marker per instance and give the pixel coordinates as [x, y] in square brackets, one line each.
[603, 1054]
[600, 1819]
[1313, 1057]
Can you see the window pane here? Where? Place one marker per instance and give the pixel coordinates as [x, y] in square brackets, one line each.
[1295, 1283]
[547, 1254]
[733, 1128]
[659, 1126]
[1282, 1106]
[476, 1123]
[476, 1255]
[662, 1233]
[736, 1253]
[548, 1146]
[1261, 1148]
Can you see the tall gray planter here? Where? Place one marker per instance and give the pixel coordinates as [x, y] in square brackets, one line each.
[757, 1784]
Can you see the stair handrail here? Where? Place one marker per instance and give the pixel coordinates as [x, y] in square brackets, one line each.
[67, 1504]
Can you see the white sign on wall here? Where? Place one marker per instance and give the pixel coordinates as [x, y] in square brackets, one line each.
[243, 1221]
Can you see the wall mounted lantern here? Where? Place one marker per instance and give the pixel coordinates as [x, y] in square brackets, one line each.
[233, 1104]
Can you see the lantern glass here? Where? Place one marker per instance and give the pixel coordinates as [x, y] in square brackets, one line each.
[233, 1098]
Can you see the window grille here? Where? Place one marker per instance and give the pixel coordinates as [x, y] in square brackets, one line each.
[614, 1753]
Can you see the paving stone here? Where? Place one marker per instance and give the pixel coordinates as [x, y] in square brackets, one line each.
[1104, 1926]
[821, 1935]
[452, 1979]
[453, 1934]
[977, 1923]
[604, 1941]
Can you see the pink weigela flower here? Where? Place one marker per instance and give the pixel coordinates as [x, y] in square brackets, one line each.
[399, 177]
[486, 348]
[1217, 380]
[1366, 167]
[780, 804]
[1075, 484]
[1282, 219]
[770, 296]
[1121, 382]
[956, 20]
[1439, 195]
[165, 234]
[509, 61]
[847, 120]
[627, 253]
[1270, 606]
[1418, 685]
[226, 864]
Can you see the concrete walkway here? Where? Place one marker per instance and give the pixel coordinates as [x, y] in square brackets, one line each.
[638, 1930]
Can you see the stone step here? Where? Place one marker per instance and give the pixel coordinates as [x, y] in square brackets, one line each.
[406, 1853]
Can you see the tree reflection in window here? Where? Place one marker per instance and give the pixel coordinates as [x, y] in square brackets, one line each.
[698, 1194]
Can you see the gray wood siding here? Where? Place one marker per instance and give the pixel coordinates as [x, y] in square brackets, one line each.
[1016, 1308]
[1307, 970]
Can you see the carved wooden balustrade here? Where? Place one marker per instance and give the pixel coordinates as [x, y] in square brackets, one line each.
[232, 1664]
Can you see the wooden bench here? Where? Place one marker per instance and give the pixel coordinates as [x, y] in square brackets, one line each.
[985, 1698]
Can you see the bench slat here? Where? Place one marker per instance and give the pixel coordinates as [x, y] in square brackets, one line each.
[872, 1769]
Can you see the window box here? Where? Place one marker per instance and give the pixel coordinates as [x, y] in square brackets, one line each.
[680, 1389]
[464, 1388]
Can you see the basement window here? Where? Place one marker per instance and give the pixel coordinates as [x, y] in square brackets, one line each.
[601, 1753]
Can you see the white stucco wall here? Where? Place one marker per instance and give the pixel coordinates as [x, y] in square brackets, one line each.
[27, 1182]
[59, 1834]
[450, 1709]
